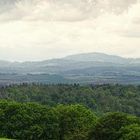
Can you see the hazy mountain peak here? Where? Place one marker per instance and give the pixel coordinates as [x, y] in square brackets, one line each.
[101, 57]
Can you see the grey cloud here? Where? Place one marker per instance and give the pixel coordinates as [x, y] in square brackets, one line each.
[132, 34]
[74, 26]
[136, 20]
[60, 10]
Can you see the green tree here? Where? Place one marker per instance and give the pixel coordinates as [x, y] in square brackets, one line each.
[75, 122]
[130, 132]
[108, 126]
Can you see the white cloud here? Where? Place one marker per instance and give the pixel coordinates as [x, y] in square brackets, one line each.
[60, 10]
[42, 29]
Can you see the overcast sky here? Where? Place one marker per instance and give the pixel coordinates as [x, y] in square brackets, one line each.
[42, 29]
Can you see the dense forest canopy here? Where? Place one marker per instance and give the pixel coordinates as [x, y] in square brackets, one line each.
[100, 98]
[70, 112]
[32, 121]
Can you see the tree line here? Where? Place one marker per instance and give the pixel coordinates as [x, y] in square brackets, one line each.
[99, 98]
[70, 112]
[32, 121]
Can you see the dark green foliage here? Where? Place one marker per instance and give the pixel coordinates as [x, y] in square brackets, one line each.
[32, 121]
[108, 127]
[102, 98]
[37, 122]
[16, 118]
[130, 132]
[67, 112]
[75, 122]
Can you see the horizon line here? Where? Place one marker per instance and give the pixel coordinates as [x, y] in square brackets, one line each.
[69, 55]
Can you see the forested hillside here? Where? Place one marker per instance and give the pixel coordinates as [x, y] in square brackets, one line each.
[70, 112]
[97, 68]
[100, 98]
[32, 121]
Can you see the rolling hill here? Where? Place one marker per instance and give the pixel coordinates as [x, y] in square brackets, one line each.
[94, 68]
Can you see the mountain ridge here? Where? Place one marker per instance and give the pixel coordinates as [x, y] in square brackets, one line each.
[73, 56]
[80, 68]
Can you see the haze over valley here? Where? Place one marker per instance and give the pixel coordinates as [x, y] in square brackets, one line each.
[96, 68]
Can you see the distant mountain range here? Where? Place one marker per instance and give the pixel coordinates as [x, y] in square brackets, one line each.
[97, 68]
